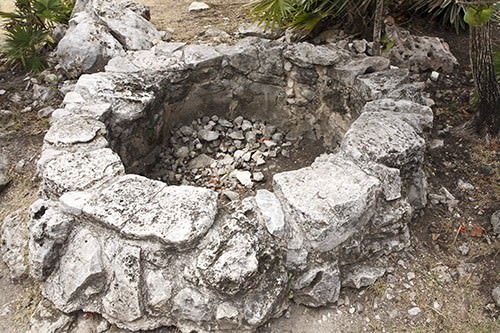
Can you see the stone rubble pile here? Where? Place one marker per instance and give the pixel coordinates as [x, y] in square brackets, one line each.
[220, 154]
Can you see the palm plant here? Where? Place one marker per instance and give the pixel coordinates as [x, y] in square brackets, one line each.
[28, 30]
[448, 11]
[306, 14]
[302, 14]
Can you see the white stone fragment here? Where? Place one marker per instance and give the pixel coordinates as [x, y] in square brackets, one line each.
[258, 176]
[159, 290]
[197, 6]
[272, 213]
[244, 177]
[414, 311]
[208, 135]
[434, 76]
[73, 202]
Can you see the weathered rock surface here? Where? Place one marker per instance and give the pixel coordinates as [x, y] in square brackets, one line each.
[47, 318]
[13, 241]
[362, 276]
[143, 254]
[99, 31]
[49, 229]
[4, 177]
[79, 171]
[326, 203]
[174, 215]
[421, 53]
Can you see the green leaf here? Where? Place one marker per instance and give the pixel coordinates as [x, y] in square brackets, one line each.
[478, 16]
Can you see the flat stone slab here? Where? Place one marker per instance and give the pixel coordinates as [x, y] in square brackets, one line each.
[74, 130]
[328, 201]
[79, 171]
[383, 138]
[147, 209]
[418, 116]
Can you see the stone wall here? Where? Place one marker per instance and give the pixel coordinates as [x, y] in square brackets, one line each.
[144, 254]
[300, 86]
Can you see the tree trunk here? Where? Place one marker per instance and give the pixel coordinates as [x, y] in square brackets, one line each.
[377, 27]
[487, 119]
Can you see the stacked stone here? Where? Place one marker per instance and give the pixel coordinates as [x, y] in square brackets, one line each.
[220, 154]
[143, 254]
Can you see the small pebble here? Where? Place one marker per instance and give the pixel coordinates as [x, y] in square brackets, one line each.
[258, 176]
[414, 311]
[464, 249]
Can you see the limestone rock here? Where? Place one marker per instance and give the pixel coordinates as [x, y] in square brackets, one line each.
[159, 290]
[198, 55]
[14, 242]
[49, 229]
[318, 286]
[418, 116]
[354, 68]
[190, 305]
[421, 53]
[307, 55]
[47, 318]
[80, 274]
[197, 6]
[379, 84]
[235, 253]
[77, 51]
[328, 201]
[201, 161]
[383, 138]
[272, 213]
[147, 209]
[80, 171]
[131, 30]
[362, 276]
[122, 302]
[4, 177]
[74, 130]
[99, 31]
[208, 135]
[244, 177]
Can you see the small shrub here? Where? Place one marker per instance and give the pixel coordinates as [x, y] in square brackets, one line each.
[28, 30]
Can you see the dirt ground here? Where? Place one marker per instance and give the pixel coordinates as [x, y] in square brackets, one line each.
[450, 269]
[223, 15]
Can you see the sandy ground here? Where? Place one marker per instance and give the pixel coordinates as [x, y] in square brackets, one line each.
[223, 15]
[5, 6]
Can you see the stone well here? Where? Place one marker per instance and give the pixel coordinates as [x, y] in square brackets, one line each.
[143, 254]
